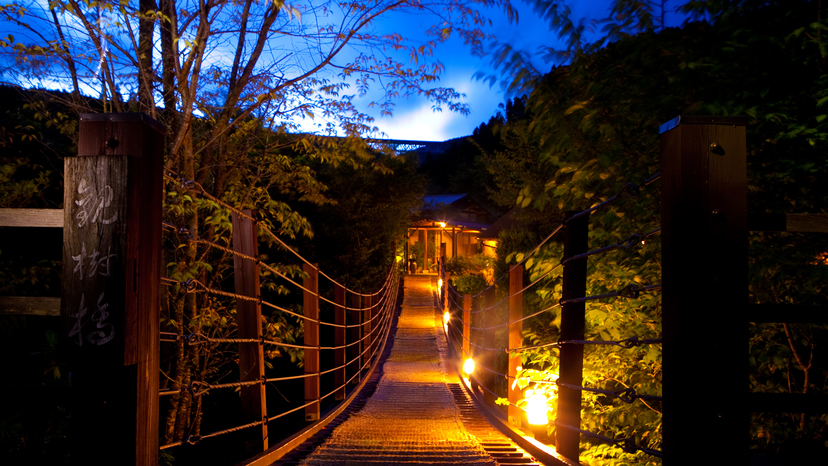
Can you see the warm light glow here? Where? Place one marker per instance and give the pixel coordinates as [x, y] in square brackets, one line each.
[446, 317]
[442, 224]
[468, 366]
[399, 258]
[536, 407]
[440, 283]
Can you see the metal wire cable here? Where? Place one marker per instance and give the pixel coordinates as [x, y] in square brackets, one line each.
[627, 395]
[525, 257]
[630, 291]
[541, 244]
[286, 311]
[626, 343]
[191, 183]
[167, 281]
[498, 350]
[626, 444]
[519, 292]
[281, 275]
[633, 240]
[456, 304]
[214, 245]
[628, 190]
[193, 387]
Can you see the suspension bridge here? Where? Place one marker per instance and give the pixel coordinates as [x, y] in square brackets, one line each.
[386, 377]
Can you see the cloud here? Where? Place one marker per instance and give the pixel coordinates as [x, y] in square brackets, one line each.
[416, 120]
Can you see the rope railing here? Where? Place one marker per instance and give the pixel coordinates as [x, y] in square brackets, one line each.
[632, 241]
[627, 191]
[631, 342]
[194, 185]
[373, 326]
[458, 331]
[626, 444]
[199, 388]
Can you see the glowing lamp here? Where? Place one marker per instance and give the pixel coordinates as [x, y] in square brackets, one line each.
[442, 224]
[468, 366]
[446, 317]
[536, 407]
[440, 283]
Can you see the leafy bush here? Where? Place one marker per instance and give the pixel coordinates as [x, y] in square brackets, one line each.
[469, 283]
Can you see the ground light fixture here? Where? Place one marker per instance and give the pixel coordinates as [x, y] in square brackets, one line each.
[536, 407]
[446, 317]
[468, 366]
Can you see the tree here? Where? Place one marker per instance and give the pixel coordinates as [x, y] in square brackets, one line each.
[594, 125]
[232, 78]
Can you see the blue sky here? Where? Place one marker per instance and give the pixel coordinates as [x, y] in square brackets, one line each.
[414, 118]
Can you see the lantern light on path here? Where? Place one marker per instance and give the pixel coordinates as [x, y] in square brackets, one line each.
[468, 366]
[536, 407]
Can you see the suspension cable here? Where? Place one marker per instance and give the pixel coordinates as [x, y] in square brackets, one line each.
[626, 444]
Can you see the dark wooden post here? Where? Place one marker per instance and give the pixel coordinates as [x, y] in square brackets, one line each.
[487, 357]
[572, 328]
[425, 251]
[339, 340]
[249, 320]
[311, 308]
[704, 253]
[355, 353]
[515, 339]
[467, 305]
[111, 300]
[478, 321]
[366, 330]
[445, 276]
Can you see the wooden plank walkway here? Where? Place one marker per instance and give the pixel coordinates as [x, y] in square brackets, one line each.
[416, 411]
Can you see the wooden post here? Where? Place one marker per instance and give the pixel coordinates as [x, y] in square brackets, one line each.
[425, 251]
[249, 320]
[445, 276]
[339, 340]
[407, 256]
[515, 339]
[355, 368]
[467, 305]
[487, 356]
[572, 328]
[311, 308]
[704, 254]
[476, 353]
[110, 297]
[366, 330]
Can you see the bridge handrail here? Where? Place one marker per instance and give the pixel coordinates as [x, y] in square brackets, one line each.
[455, 334]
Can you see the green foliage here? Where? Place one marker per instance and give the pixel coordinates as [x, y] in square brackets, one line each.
[368, 210]
[470, 283]
[460, 265]
[468, 274]
[592, 126]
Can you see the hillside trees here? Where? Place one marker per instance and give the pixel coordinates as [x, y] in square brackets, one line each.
[229, 79]
[594, 125]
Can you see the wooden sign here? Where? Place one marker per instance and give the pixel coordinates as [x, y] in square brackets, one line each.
[110, 296]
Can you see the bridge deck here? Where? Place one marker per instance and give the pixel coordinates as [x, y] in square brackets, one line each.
[418, 414]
